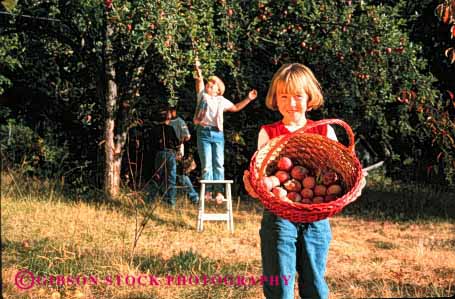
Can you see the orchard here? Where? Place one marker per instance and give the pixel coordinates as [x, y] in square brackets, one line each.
[84, 78]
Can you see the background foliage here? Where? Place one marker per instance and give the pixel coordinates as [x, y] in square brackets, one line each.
[382, 65]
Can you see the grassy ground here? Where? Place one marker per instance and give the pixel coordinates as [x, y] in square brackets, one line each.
[50, 235]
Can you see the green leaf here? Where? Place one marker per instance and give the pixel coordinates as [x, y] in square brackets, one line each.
[9, 4]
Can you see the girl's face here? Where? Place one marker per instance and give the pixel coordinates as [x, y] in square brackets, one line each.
[292, 106]
[212, 88]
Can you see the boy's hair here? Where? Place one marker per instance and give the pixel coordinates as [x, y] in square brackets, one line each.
[218, 82]
[163, 114]
[294, 78]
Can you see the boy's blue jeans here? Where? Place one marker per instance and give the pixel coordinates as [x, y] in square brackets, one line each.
[184, 180]
[210, 145]
[166, 165]
[287, 248]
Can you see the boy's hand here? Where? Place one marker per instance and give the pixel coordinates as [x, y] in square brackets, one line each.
[247, 184]
[252, 94]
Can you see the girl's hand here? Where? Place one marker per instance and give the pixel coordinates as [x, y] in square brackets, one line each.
[197, 63]
[247, 184]
[252, 94]
[197, 68]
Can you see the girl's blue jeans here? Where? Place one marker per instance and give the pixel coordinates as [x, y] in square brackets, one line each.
[166, 165]
[287, 248]
[210, 145]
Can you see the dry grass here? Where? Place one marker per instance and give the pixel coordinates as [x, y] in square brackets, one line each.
[368, 258]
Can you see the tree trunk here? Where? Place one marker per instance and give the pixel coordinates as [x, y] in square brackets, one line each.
[113, 156]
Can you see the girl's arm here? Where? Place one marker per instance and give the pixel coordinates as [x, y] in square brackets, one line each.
[199, 80]
[240, 105]
[263, 138]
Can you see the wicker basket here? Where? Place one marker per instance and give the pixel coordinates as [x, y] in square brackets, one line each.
[313, 151]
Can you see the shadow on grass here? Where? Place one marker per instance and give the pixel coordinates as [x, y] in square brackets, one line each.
[176, 222]
[407, 204]
[189, 263]
[190, 274]
[201, 277]
[43, 257]
[399, 288]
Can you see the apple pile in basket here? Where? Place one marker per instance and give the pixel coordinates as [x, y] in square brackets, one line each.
[297, 183]
[306, 177]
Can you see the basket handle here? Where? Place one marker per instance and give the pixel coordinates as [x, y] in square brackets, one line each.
[334, 121]
[328, 121]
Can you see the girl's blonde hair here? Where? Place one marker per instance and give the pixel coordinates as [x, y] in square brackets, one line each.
[294, 78]
[218, 82]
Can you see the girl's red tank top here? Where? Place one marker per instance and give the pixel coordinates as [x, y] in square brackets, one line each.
[278, 128]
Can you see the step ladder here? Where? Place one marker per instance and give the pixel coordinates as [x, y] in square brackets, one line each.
[228, 216]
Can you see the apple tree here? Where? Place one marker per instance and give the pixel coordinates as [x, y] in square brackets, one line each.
[372, 74]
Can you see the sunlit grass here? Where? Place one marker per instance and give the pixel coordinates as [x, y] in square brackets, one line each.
[51, 235]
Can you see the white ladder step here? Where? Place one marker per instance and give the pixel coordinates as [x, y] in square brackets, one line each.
[224, 217]
[228, 216]
[216, 181]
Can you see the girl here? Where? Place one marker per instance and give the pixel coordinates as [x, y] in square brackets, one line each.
[287, 247]
[209, 120]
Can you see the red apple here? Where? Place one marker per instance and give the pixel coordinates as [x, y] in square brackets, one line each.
[307, 193]
[318, 199]
[329, 177]
[320, 190]
[334, 190]
[282, 175]
[275, 181]
[399, 50]
[266, 183]
[293, 185]
[309, 182]
[279, 192]
[299, 172]
[306, 200]
[284, 164]
[294, 196]
[329, 198]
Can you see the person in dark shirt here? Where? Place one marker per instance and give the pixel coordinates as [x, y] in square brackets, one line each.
[165, 143]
